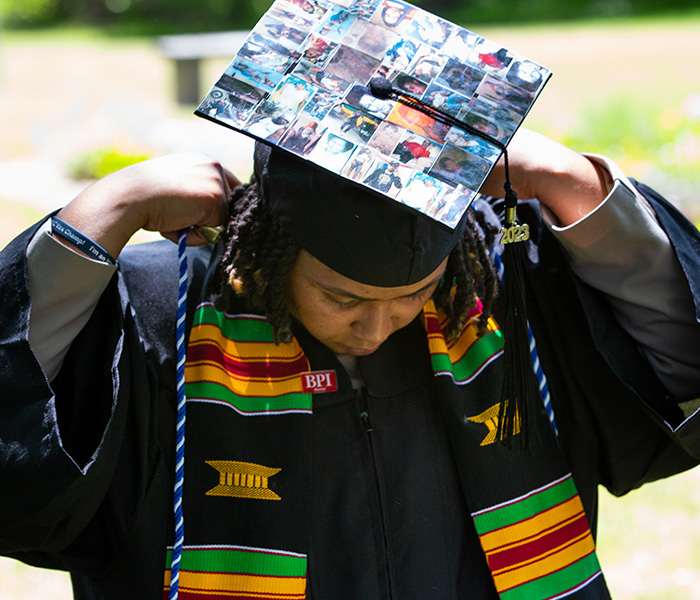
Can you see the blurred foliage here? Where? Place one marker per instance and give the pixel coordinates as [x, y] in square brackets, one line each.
[96, 164]
[133, 16]
[164, 16]
[29, 12]
[660, 145]
[527, 11]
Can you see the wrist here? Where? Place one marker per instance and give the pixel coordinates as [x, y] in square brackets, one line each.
[109, 212]
[65, 233]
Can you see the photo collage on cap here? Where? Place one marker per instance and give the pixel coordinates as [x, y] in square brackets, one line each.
[301, 82]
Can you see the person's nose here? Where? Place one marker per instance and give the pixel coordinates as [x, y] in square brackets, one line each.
[374, 324]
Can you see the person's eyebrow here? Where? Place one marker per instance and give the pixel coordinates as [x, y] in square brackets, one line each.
[346, 294]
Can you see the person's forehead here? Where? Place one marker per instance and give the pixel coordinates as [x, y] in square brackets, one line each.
[314, 271]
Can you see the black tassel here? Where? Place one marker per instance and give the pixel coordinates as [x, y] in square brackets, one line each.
[520, 394]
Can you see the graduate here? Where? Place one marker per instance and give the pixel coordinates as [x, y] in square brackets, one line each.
[355, 425]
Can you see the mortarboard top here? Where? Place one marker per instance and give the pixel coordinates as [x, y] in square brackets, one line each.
[301, 82]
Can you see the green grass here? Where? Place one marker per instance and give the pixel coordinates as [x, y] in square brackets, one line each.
[96, 164]
[67, 35]
[649, 540]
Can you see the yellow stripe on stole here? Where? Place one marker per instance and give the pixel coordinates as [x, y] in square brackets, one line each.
[550, 563]
[232, 583]
[467, 339]
[532, 528]
[245, 352]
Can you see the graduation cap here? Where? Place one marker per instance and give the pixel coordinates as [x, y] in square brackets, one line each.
[381, 93]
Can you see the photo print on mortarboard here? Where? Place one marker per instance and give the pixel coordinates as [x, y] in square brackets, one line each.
[526, 75]
[301, 81]
[426, 64]
[458, 166]
[358, 165]
[320, 104]
[336, 24]
[352, 123]
[393, 15]
[416, 151]
[361, 97]
[303, 135]
[287, 35]
[264, 79]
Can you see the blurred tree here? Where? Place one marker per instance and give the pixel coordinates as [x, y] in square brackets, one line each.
[156, 15]
[162, 16]
[28, 12]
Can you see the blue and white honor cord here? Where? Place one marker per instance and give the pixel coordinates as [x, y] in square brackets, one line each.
[536, 365]
[180, 424]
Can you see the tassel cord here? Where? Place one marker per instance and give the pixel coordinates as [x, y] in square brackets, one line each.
[180, 419]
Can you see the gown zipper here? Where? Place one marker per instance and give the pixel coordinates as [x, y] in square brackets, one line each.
[367, 423]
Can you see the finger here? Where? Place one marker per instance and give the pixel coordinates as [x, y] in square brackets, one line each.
[231, 180]
[228, 181]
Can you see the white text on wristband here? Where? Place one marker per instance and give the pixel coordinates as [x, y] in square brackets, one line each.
[61, 228]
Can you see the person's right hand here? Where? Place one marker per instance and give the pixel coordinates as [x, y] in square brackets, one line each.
[163, 194]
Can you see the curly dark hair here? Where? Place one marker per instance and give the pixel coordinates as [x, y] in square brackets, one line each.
[258, 257]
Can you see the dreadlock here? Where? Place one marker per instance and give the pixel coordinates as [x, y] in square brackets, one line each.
[469, 275]
[258, 258]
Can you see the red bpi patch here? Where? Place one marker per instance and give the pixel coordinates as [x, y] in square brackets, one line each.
[319, 382]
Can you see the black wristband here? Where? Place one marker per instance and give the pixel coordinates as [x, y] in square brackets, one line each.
[76, 238]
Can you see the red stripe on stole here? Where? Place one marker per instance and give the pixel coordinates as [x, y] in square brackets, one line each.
[432, 324]
[536, 549]
[266, 368]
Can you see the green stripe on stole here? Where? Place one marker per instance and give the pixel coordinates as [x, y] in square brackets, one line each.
[516, 511]
[232, 559]
[241, 328]
[223, 572]
[465, 369]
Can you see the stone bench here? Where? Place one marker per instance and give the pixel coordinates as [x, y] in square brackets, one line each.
[187, 51]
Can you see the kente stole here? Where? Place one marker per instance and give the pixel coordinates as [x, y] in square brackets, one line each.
[534, 533]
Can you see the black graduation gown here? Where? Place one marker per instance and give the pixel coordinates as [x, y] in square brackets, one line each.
[87, 461]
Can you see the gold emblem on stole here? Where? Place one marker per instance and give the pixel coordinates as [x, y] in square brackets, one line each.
[490, 418]
[243, 480]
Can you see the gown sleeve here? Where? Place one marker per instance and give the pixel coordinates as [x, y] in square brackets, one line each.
[622, 250]
[64, 287]
[81, 450]
[49, 439]
[606, 294]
